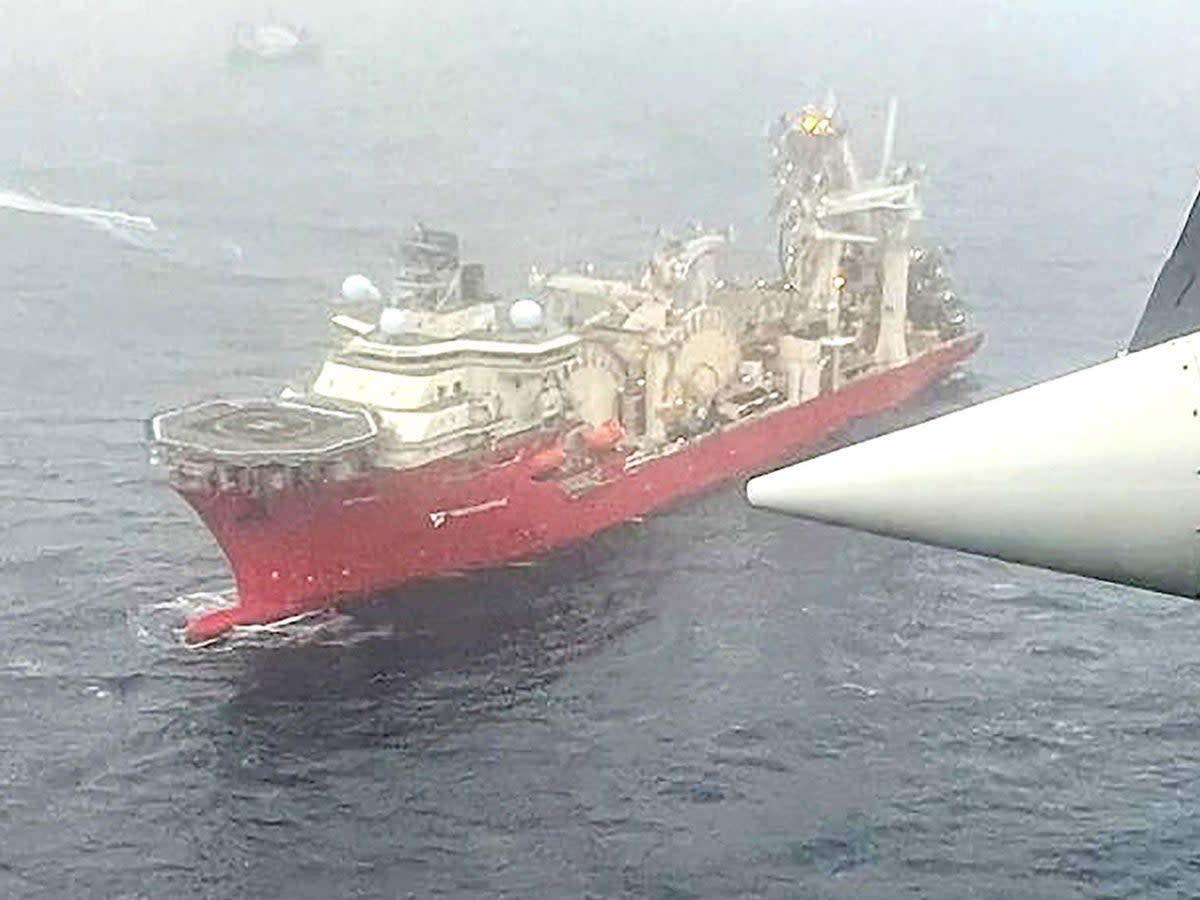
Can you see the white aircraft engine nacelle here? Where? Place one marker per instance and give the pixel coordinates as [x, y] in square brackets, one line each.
[1094, 473]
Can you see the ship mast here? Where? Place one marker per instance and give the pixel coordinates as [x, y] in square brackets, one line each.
[823, 208]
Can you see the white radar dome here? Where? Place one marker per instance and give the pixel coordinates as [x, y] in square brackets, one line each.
[359, 289]
[393, 320]
[525, 314]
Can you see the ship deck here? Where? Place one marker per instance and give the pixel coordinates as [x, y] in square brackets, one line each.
[261, 431]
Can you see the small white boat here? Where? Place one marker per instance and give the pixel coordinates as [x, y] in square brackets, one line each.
[272, 43]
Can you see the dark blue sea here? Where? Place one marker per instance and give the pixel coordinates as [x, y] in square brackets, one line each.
[714, 703]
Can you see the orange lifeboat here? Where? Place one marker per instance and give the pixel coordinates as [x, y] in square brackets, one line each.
[547, 459]
[604, 436]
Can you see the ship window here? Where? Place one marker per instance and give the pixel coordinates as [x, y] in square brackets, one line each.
[441, 392]
[458, 387]
[517, 381]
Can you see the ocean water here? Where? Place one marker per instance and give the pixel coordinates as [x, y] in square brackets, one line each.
[714, 703]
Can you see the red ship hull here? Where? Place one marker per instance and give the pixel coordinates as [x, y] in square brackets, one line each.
[322, 545]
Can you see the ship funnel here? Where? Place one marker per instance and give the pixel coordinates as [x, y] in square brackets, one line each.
[1093, 473]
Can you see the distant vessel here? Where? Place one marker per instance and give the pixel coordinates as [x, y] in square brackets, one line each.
[452, 431]
[273, 43]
